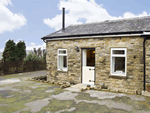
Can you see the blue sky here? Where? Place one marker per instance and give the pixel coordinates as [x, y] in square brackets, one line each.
[30, 20]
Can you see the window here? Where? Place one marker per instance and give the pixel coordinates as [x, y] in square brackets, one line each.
[118, 61]
[62, 59]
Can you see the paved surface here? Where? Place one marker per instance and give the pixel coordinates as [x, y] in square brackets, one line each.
[9, 81]
[24, 75]
[1, 78]
[76, 88]
[30, 97]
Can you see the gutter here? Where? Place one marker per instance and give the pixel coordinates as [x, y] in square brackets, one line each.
[98, 36]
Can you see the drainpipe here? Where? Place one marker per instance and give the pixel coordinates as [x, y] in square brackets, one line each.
[144, 59]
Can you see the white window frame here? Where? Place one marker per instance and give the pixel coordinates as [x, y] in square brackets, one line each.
[118, 55]
[58, 54]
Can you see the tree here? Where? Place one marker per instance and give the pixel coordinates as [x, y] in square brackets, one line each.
[39, 51]
[9, 53]
[21, 50]
[35, 51]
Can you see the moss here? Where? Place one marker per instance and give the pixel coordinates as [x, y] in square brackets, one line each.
[12, 107]
[123, 99]
[86, 96]
[83, 107]
[27, 111]
[138, 105]
[56, 105]
[57, 91]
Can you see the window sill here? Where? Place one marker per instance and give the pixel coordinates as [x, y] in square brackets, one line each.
[118, 76]
[62, 70]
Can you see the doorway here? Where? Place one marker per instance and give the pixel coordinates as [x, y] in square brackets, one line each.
[88, 66]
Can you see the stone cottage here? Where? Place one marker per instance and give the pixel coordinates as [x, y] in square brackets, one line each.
[115, 53]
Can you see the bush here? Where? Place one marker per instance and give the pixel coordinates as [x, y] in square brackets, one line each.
[29, 57]
[32, 57]
[36, 55]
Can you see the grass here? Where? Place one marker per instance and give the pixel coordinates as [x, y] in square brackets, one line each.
[86, 96]
[56, 105]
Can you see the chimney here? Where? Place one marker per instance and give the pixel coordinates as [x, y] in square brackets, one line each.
[63, 19]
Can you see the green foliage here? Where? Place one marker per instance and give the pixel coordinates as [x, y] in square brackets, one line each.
[9, 53]
[29, 57]
[13, 52]
[36, 55]
[21, 48]
[44, 56]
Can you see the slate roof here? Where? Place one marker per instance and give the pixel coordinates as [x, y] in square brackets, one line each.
[138, 24]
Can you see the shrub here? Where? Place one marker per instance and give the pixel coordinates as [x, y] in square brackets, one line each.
[29, 57]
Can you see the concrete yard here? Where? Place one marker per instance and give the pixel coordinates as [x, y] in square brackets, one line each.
[30, 97]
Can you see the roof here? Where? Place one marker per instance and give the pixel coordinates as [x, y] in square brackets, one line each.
[135, 25]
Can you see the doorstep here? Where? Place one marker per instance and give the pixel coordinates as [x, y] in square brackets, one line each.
[77, 87]
[146, 93]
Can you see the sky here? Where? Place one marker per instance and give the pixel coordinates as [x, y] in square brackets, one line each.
[30, 20]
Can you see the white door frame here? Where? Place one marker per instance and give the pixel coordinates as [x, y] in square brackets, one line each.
[85, 63]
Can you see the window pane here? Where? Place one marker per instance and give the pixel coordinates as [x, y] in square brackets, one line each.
[90, 58]
[62, 51]
[118, 64]
[118, 51]
[65, 61]
[62, 62]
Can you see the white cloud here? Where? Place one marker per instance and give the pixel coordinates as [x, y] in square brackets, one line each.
[131, 15]
[6, 2]
[32, 45]
[9, 20]
[84, 9]
[1, 50]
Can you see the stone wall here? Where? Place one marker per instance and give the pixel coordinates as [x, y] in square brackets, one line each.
[132, 83]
